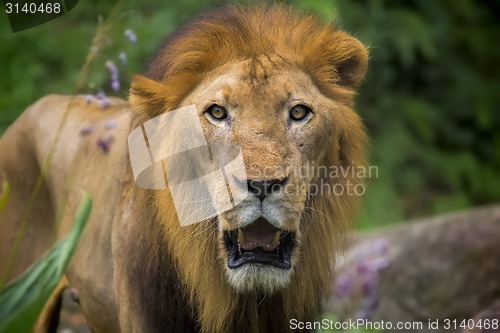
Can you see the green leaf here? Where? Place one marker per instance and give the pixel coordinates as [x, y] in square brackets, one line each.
[4, 194]
[414, 35]
[24, 298]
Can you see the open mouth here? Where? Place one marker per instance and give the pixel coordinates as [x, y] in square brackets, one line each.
[259, 242]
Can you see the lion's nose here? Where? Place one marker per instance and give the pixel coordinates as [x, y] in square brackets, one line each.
[263, 188]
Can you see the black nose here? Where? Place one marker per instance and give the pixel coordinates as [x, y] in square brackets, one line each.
[263, 188]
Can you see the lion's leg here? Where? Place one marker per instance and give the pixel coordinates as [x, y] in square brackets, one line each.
[49, 318]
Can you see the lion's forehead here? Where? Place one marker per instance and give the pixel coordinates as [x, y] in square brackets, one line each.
[264, 81]
[260, 68]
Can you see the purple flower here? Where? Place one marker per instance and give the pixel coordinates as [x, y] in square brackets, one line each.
[100, 95]
[102, 99]
[345, 283]
[369, 286]
[359, 281]
[363, 267]
[372, 265]
[130, 35]
[115, 85]
[104, 144]
[370, 301]
[113, 70]
[379, 263]
[86, 130]
[374, 248]
[88, 99]
[367, 310]
[110, 124]
[123, 58]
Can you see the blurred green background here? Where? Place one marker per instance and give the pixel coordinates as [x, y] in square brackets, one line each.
[430, 101]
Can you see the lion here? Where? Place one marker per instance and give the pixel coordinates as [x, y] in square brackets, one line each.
[276, 83]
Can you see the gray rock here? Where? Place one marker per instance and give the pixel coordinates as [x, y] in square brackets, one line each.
[432, 270]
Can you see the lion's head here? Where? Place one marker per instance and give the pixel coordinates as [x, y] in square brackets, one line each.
[280, 86]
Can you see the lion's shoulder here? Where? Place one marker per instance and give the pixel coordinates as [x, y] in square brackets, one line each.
[53, 106]
[73, 119]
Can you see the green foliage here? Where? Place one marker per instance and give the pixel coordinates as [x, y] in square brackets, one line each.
[430, 99]
[4, 194]
[23, 299]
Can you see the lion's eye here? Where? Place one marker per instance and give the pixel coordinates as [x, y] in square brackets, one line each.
[217, 112]
[299, 112]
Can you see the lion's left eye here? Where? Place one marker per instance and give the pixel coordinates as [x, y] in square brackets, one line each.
[299, 112]
[217, 112]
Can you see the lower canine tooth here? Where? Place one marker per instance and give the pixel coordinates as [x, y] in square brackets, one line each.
[276, 238]
[241, 236]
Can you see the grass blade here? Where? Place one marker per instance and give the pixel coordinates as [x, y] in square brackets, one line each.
[4, 194]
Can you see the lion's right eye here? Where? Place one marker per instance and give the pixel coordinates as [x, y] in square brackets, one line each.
[217, 112]
[299, 112]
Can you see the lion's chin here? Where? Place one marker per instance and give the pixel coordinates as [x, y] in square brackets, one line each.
[258, 278]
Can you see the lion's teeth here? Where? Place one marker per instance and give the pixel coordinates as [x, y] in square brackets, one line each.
[241, 237]
[276, 238]
[248, 245]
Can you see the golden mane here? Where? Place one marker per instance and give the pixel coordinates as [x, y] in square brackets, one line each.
[188, 256]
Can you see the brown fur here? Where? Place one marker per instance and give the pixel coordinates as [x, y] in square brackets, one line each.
[336, 63]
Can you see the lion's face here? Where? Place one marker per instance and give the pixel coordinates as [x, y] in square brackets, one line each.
[281, 122]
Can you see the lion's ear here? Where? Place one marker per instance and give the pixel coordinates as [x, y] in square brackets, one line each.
[350, 62]
[147, 96]
[334, 56]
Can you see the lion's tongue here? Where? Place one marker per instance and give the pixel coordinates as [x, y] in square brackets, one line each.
[259, 234]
